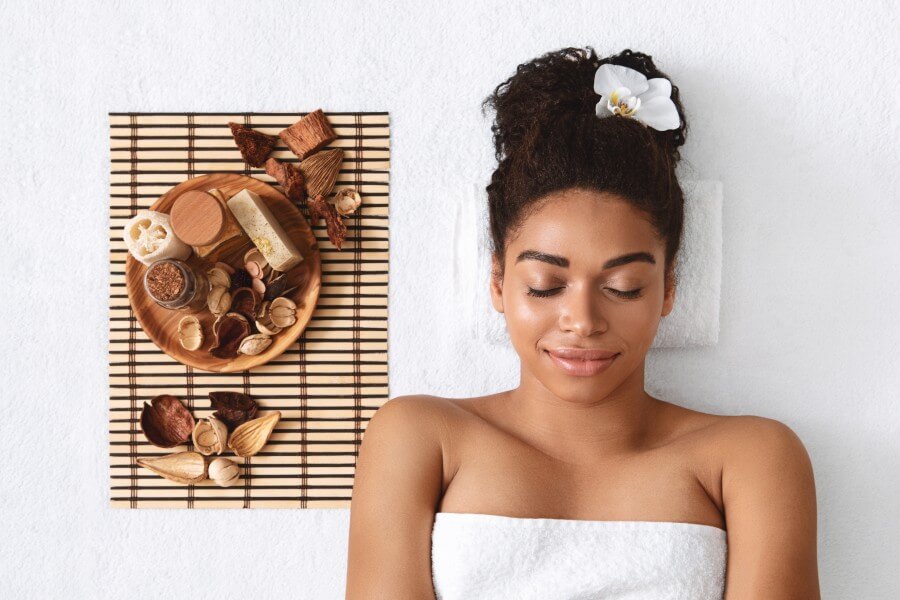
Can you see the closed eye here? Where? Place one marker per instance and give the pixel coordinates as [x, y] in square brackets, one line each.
[629, 294]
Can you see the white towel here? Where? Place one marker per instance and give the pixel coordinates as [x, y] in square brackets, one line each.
[492, 557]
[693, 322]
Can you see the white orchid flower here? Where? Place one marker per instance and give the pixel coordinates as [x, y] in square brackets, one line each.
[628, 93]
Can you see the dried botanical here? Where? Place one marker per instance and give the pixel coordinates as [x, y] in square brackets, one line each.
[249, 438]
[181, 467]
[190, 333]
[233, 408]
[282, 312]
[254, 146]
[240, 278]
[255, 344]
[335, 226]
[218, 300]
[308, 134]
[224, 472]
[346, 201]
[166, 422]
[219, 277]
[246, 301]
[209, 436]
[230, 330]
[320, 171]
[289, 177]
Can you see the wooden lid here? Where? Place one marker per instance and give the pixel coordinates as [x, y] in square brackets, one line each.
[197, 218]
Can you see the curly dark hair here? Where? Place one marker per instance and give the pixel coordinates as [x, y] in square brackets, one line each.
[548, 138]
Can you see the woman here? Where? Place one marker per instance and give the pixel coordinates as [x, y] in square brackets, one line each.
[578, 483]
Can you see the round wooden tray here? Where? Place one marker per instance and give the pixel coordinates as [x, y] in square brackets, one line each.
[161, 324]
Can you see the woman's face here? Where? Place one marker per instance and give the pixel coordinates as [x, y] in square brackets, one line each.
[585, 270]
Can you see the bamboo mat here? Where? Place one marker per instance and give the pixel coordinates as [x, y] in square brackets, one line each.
[327, 385]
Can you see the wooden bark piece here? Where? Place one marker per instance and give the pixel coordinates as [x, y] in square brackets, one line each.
[308, 134]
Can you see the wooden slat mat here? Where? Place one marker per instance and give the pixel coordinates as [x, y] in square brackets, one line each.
[327, 385]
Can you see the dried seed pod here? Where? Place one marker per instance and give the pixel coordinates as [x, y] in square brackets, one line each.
[219, 277]
[166, 422]
[210, 435]
[346, 200]
[259, 287]
[246, 301]
[224, 472]
[231, 329]
[218, 300]
[254, 269]
[283, 312]
[225, 267]
[181, 467]
[254, 255]
[240, 278]
[255, 344]
[264, 322]
[190, 333]
[320, 171]
[233, 408]
[249, 438]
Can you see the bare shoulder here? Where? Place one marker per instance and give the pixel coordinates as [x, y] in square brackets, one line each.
[396, 489]
[769, 495]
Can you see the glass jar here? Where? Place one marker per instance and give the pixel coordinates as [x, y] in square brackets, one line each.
[176, 285]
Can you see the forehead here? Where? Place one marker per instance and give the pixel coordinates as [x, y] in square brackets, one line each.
[583, 225]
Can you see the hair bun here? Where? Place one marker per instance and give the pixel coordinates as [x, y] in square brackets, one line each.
[559, 86]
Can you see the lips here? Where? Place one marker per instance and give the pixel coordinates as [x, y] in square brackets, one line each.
[582, 362]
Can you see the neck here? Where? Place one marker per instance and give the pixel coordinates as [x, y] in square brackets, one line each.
[575, 430]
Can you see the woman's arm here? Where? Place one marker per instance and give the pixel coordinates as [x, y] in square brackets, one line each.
[770, 512]
[396, 490]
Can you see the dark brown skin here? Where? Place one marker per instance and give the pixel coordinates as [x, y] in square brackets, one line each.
[595, 448]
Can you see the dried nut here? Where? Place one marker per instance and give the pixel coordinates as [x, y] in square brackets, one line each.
[166, 422]
[249, 438]
[219, 277]
[259, 287]
[233, 408]
[255, 344]
[346, 200]
[254, 269]
[181, 467]
[219, 300]
[283, 312]
[246, 301]
[267, 327]
[190, 333]
[224, 472]
[225, 267]
[209, 436]
[254, 255]
[230, 330]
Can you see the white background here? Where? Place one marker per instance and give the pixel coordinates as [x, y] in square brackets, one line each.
[792, 105]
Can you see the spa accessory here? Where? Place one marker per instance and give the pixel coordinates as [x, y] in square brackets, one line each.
[628, 93]
[480, 556]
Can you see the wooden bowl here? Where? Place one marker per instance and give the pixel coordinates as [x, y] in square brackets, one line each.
[161, 324]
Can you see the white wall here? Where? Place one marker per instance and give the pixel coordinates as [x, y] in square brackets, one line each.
[791, 105]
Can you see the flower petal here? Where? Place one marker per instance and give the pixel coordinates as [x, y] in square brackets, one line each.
[608, 77]
[658, 86]
[659, 113]
[602, 110]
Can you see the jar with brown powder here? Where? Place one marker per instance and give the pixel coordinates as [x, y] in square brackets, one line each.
[176, 285]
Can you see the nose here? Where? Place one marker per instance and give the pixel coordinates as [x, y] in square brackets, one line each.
[580, 312]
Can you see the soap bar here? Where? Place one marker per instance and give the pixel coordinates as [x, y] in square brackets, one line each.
[264, 229]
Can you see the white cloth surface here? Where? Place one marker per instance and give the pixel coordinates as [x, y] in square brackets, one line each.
[493, 557]
[693, 322]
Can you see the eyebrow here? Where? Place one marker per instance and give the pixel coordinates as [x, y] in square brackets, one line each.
[561, 261]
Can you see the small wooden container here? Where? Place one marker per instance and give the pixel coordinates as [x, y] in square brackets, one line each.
[202, 219]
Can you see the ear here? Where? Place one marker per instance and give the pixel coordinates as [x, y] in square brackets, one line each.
[496, 284]
[671, 286]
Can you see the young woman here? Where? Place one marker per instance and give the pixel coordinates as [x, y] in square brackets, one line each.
[578, 483]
